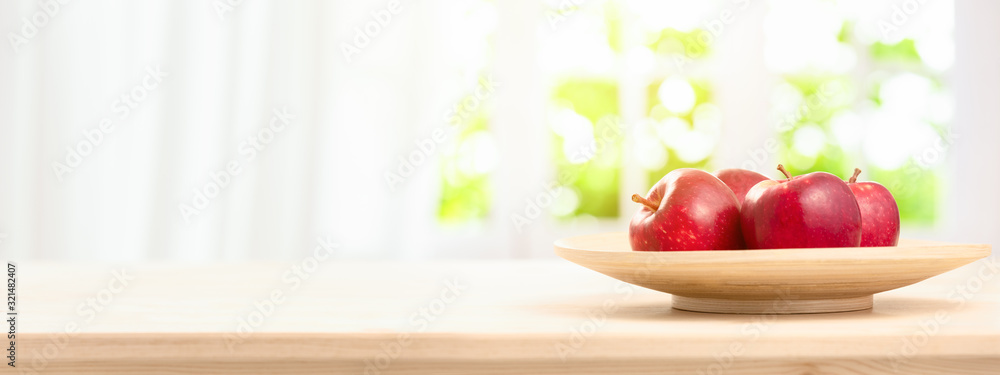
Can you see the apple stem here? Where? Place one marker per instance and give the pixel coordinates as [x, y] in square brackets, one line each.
[645, 202]
[854, 178]
[784, 171]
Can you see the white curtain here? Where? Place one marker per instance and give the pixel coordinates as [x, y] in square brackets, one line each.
[221, 70]
[182, 89]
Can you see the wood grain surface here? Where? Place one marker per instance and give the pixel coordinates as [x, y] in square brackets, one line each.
[497, 317]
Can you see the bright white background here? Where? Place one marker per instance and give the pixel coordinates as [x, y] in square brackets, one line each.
[323, 174]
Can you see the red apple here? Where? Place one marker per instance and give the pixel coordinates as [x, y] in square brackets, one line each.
[740, 180]
[688, 209]
[812, 210]
[879, 213]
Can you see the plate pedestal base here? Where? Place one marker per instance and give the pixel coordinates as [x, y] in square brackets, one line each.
[775, 306]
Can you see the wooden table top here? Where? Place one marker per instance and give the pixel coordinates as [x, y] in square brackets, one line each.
[465, 317]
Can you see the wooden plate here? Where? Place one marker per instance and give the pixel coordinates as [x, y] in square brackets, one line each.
[771, 281]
